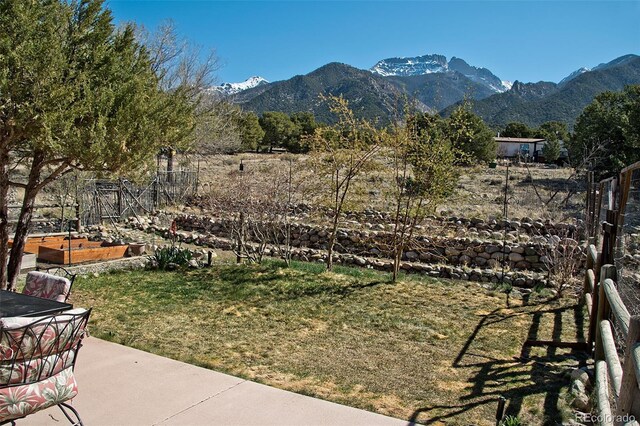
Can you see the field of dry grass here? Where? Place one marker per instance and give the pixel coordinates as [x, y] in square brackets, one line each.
[421, 349]
[538, 192]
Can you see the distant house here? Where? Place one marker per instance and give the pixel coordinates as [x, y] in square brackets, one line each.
[519, 147]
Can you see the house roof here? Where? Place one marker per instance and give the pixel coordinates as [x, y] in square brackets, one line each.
[518, 140]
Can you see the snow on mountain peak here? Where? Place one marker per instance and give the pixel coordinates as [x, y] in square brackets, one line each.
[428, 64]
[574, 75]
[233, 88]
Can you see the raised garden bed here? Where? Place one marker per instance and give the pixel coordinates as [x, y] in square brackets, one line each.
[81, 251]
[33, 243]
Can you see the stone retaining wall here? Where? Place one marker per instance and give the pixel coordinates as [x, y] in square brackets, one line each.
[375, 244]
[484, 228]
[522, 279]
[525, 225]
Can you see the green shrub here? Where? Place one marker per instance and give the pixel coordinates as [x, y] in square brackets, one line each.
[170, 257]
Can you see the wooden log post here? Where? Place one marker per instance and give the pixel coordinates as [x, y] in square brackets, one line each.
[591, 201]
[604, 310]
[593, 314]
[587, 286]
[617, 308]
[609, 237]
[611, 357]
[602, 393]
[629, 402]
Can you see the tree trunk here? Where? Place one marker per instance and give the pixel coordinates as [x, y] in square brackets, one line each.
[4, 216]
[22, 227]
[332, 240]
[396, 266]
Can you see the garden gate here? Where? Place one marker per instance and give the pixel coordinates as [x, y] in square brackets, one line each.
[115, 200]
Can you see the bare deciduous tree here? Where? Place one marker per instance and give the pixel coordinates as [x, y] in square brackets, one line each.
[258, 202]
[339, 155]
[425, 171]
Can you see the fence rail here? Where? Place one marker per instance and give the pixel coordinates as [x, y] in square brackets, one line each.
[611, 293]
[617, 381]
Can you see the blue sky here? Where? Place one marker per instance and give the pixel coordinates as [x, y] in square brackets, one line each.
[523, 40]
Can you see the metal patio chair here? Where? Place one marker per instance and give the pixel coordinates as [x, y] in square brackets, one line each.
[62, 272]
[37, 359]
[48, 285]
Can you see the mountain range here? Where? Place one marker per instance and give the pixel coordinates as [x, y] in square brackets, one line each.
[233, 88]
[536, 103]
[434, 84]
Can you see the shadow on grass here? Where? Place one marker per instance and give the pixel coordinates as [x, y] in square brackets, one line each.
[517, 378]
[270, 278]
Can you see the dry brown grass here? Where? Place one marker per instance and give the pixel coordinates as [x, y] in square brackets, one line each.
[480, 192]
[420, 349]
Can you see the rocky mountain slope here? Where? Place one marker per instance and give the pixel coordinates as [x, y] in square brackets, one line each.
[434, 83]
[535, 103]
[369, 95]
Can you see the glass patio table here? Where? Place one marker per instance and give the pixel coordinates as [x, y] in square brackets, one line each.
[14, 304]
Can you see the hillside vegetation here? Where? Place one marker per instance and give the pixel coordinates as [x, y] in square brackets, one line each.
[536, 103]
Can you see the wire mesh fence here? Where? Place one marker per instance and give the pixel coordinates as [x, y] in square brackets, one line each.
[113, 200]
[627, 249]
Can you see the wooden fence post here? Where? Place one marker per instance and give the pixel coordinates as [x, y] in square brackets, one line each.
[629, 402]
[604, 310]
[609, 237]
[595, 298]
[591, 199]
[590, 292]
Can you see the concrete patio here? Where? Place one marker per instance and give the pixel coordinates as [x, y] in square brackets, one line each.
[124, 386]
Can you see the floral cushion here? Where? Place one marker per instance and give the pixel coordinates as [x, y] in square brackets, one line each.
[29, 371]
[25, 338]
[22, 400]
[47, 286]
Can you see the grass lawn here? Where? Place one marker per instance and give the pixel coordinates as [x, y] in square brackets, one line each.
[428, 350]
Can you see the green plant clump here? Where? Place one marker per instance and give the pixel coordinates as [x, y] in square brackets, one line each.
[511, 421]
[172, 257]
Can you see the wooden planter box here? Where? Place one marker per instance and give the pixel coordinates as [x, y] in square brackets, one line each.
[33, 243]
[74, 243]
[85, 251]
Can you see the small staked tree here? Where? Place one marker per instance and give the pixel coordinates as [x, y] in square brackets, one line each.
[258, 202]
[339, 155]
[425, 167]
[77, 93]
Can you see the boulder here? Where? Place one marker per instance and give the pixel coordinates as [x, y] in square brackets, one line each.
[492, 248]
[515, 257]
[411, 256]
[449, 251]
